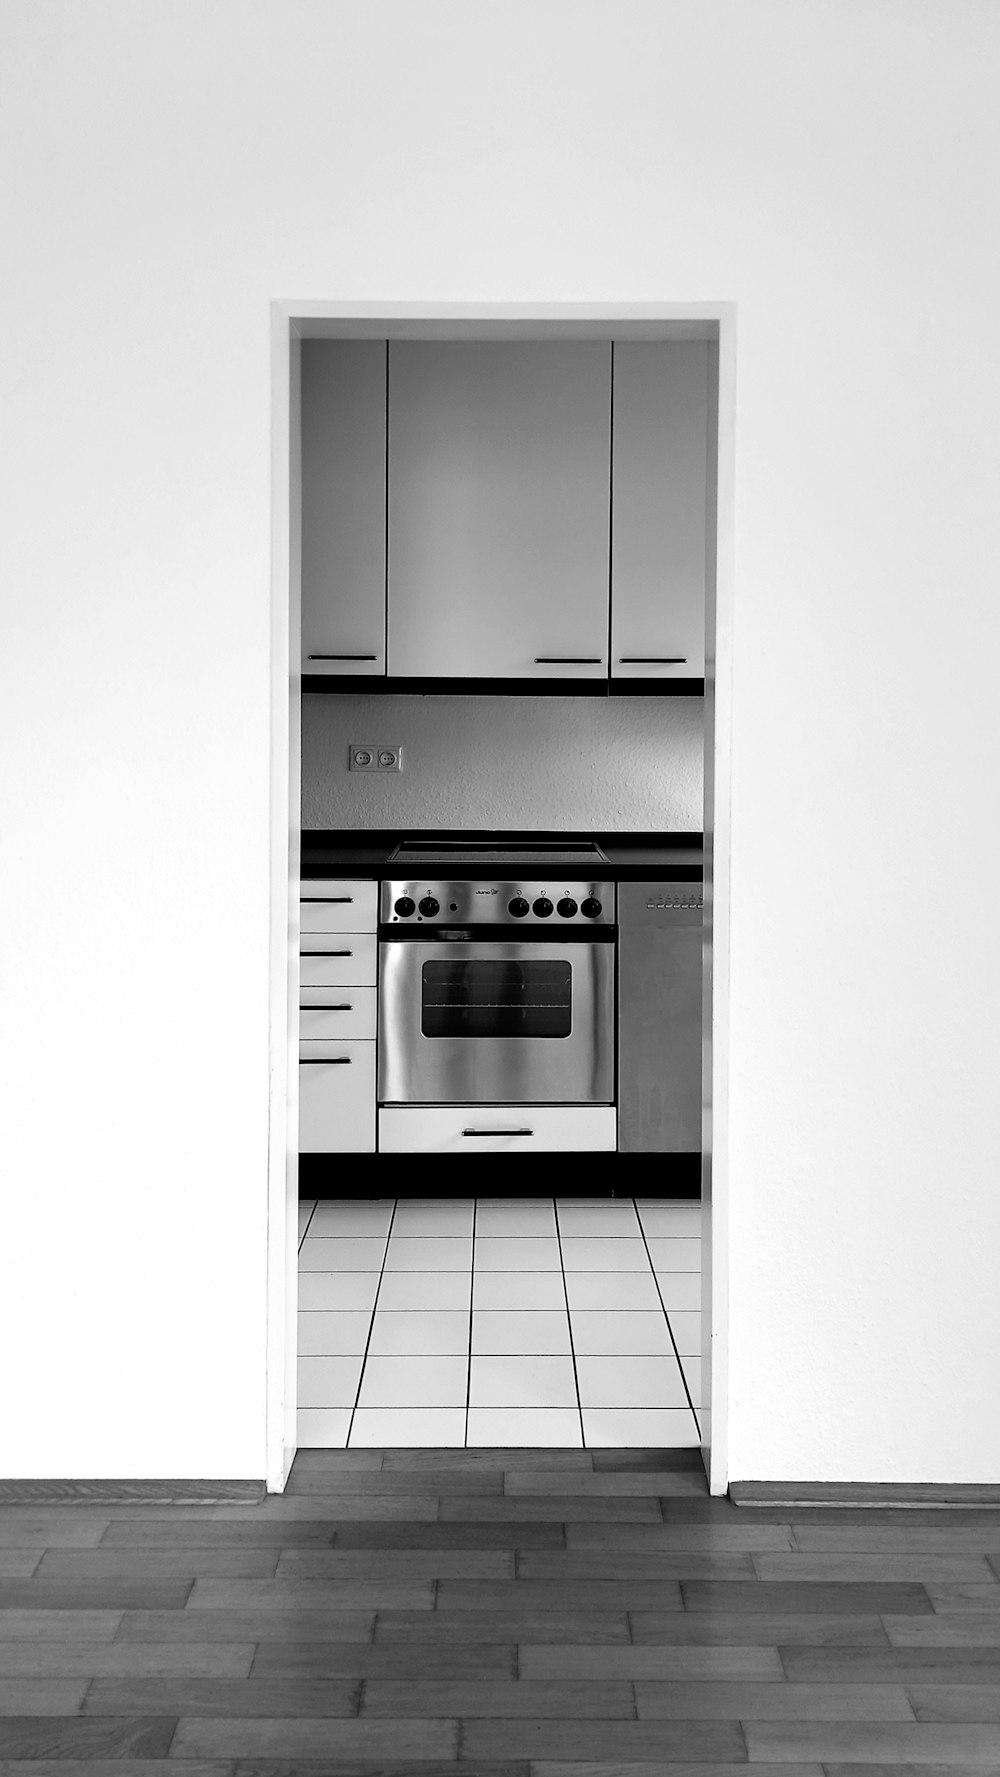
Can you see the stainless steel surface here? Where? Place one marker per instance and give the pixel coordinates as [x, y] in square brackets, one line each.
[490, 851]
[660, 940]
[487, 902]
[482, 986]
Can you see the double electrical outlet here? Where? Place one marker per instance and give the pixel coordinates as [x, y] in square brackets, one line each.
[376, 758]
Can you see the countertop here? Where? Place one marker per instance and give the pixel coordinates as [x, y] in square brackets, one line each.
[631, 857]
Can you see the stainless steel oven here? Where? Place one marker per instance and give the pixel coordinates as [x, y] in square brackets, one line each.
[496, 992]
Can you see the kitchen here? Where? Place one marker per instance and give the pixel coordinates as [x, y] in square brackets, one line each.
[506, 556]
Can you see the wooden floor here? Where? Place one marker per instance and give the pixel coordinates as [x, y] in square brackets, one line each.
[514, 1613]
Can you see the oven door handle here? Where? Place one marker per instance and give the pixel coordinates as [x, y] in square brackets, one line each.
[498, 1132]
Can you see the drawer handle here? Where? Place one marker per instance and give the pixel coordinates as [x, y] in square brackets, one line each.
[568, 660]
[498, 1132]
[325, 1060]
[346, 1007]
[342, 657]
[306, 953]
[326, 900]
[652, 660]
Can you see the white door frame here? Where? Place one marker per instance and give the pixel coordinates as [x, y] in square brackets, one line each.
[291, 321]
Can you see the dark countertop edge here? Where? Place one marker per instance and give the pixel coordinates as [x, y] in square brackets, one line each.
[632, 857]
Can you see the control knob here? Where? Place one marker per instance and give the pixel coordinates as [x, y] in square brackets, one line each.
[518, 907]
[590, 908]
[542, 907]
[566, 907]
[429, 906]
[404, 907]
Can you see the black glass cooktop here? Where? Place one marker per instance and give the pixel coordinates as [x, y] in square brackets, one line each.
[464, 851]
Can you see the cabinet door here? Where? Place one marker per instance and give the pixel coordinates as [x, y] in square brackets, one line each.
[499, 486]
[659, 481]
[337, 1100]
[343, 506]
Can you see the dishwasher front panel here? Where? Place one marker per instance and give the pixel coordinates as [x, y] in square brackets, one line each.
[660, 941]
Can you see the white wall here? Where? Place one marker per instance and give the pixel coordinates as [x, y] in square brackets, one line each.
[827, 164]
[607, 764]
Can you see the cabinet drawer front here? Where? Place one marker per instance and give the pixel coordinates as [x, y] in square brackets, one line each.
[351, 1014]
[338, 907]
[345, 960]
[497, 1129]
[337, 1100]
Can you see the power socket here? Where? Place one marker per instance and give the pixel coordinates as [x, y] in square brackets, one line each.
[375, 758]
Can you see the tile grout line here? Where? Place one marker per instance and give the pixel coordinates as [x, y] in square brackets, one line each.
[302, 1237]
[569, 1323]
[472, 1297]
[670, 1330]
[371, 1325]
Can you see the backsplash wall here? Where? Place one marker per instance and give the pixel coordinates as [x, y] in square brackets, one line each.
[618, 764]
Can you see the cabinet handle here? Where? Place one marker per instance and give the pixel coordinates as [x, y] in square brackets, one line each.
[346, 1007]
[342, 657]
[568, 660]
[327, 952]
[652, 660]
[327, 900]
[325, 1060]
[498, 1132]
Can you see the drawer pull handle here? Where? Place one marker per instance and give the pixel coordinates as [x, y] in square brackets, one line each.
[342, 657]
[324, 1061]
[326, 900]
[346, 1007]
[306, 953]
[498, 1132]
[568, 660]
[652, 660]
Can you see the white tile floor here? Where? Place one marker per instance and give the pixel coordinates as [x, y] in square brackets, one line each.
[499, 1321]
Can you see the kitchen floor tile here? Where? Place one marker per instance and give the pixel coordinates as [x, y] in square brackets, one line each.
[323, 1334]
[433, 1381]
[512, 1290]
[418, 1332]
[430, 1289]
[629, 1332]
[347, 1254]
[522, 1382]
[528, 1253]
[336, 1220]
[524, 1427]
[692, 1376]
[598, 1220]
[323, 1428]
[621, 1254]
[337, 1290]
[431, 1253]
[630, 1382]
[422, 1217]
[512, 1333]
[673, 1221]
[515, 1216]
[329, 1381]
[686, 1329]
[675, 1255]
[680, 1289]
[408, 1428]
[607, 1291]
[640, 1428]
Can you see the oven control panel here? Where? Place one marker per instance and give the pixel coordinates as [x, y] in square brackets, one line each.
[552, 902]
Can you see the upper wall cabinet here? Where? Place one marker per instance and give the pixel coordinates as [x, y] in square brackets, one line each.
[499, 471]
[660, 515]
[343, 506]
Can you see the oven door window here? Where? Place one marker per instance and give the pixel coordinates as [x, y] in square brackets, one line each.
[496, 998]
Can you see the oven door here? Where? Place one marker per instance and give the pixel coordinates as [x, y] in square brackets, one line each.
[473, 1022]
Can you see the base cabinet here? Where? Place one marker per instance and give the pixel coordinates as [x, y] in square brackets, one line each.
[337, 1099]
[497, 1129]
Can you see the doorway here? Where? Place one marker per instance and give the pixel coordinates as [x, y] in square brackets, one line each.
[291, 323]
